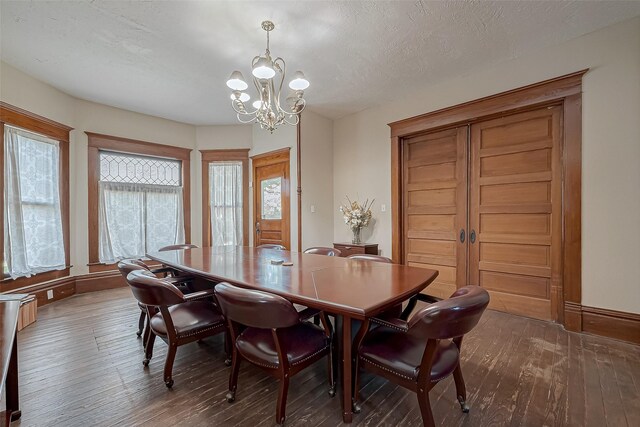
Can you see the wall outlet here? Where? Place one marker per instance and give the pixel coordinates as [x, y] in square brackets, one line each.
[50, 294]
[313, 208]
[383, 208]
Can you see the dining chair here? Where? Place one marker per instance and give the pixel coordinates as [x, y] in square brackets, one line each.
[272, 246]
[320, 250]
[274, 338]
[180, 318]
[420, 353]
[177, 247]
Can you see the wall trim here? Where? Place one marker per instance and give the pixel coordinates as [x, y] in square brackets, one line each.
[619, 325]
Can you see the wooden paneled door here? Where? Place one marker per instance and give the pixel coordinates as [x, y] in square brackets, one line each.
[271, 199]
[435, 206]
[515, 211]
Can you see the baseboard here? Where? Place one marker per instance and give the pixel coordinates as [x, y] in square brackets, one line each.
[99, 281]
[610, 323]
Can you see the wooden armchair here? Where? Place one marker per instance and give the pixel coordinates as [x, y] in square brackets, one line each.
[180, 318]
[274, 338]
[319, 250]
[420, 353]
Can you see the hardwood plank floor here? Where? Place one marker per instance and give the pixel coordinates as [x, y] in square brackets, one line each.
[81, 365]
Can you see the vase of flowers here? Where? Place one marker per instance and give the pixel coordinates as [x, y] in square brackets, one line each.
[357, 216]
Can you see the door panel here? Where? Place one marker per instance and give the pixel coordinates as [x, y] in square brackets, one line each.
[271, 200]
[435, 206]
[515, 208]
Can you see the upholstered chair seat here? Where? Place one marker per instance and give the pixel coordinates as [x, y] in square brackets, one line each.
[189, 318]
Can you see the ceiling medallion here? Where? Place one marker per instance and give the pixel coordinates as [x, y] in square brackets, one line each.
[268, 75]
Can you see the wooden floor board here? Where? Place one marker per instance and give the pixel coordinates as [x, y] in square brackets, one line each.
[81, 365]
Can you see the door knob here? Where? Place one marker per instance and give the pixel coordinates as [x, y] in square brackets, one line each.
[462, 235]
[472, 236]
[257, 227]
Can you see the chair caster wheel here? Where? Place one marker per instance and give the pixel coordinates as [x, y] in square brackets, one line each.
[231, 396]
[169, 383]
[145, 362]
[463, 405]
[355, 406]
[332, 391]
[227, 361]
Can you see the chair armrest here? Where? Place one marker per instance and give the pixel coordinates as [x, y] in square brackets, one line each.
[308, 313]
[427, 298]
[391, 322]
[199, 295]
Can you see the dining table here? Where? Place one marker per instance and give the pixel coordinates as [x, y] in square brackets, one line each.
[9, 312]
[346, 288]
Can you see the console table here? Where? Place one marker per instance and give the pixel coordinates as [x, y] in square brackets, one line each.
[347, 249]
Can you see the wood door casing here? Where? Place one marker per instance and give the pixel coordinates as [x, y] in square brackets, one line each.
[516, 212]
[270, 166]
[435, 206]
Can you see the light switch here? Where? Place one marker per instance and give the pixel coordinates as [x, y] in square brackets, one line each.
[313, 208]
[383, 208]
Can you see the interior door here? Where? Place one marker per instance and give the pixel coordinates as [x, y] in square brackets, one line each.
[435, 206]
[515, 211]
[271, 199]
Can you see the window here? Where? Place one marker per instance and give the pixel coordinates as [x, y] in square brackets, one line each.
[34, 230]
[225, 214]
[138, 198]
[225, 194]
[33, 238]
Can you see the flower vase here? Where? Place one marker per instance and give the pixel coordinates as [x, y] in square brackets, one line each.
[356, 236]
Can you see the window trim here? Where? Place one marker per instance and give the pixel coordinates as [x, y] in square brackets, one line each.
[31, 122]
[99, 142]
[211, 156]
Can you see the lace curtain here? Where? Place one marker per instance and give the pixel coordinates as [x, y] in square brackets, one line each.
[138, 218]
[225, 195]
[33, 240]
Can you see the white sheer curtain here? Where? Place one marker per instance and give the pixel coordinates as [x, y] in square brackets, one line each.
[225, 195]
[33, 240]
[138, 218]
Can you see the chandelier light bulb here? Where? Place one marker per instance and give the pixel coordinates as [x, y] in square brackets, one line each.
[242, 97]
[257, 104]
[263, 69]
[299, 82]
[236, 81]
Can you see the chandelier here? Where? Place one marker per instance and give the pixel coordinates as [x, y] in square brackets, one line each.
[268, 77]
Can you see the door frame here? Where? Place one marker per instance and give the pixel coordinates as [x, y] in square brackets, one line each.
[266, 159]
[565, 91]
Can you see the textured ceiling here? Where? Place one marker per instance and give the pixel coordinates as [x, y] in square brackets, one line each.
[171, 59]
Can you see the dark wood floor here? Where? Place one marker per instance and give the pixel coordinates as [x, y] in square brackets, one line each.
[80, 365]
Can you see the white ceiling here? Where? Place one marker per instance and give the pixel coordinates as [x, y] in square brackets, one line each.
[172, 59]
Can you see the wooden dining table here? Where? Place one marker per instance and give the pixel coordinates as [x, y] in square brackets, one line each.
[349, 289]
[9, 312]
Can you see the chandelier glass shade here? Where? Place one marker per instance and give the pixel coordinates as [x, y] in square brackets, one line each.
[268, 78]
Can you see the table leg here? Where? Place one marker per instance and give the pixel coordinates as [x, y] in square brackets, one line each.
[13, 403]
[347, 394]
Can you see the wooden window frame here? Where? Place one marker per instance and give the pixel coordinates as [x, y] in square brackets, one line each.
[210, 156]
[565, 91]
[99, 142]
[14, 116]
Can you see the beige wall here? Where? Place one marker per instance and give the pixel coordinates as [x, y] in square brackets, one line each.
[316, 135]
[611, 151]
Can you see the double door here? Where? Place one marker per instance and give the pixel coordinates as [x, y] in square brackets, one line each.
[482, 205]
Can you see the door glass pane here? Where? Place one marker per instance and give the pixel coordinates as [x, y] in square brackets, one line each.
[271, 190]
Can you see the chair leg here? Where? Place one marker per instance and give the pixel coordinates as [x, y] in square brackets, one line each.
[168, 364]
[425, 408]
[233, 377]
[356, 387]
[332, 380]
[227, 348]
[282, 399]
[148, 348]
[143, 316]
[146, 333]
[461, 390]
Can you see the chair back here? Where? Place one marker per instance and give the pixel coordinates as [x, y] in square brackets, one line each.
[255, 309]
[373, 258]
[452, 317]
[126, 266]
[177, 247]
[319, 250]
[149, 290]
[272, 246]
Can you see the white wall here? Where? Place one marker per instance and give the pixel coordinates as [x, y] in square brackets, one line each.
[316, 136]
[611, 151]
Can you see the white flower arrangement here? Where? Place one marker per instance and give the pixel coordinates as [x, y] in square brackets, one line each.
[355, 215]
